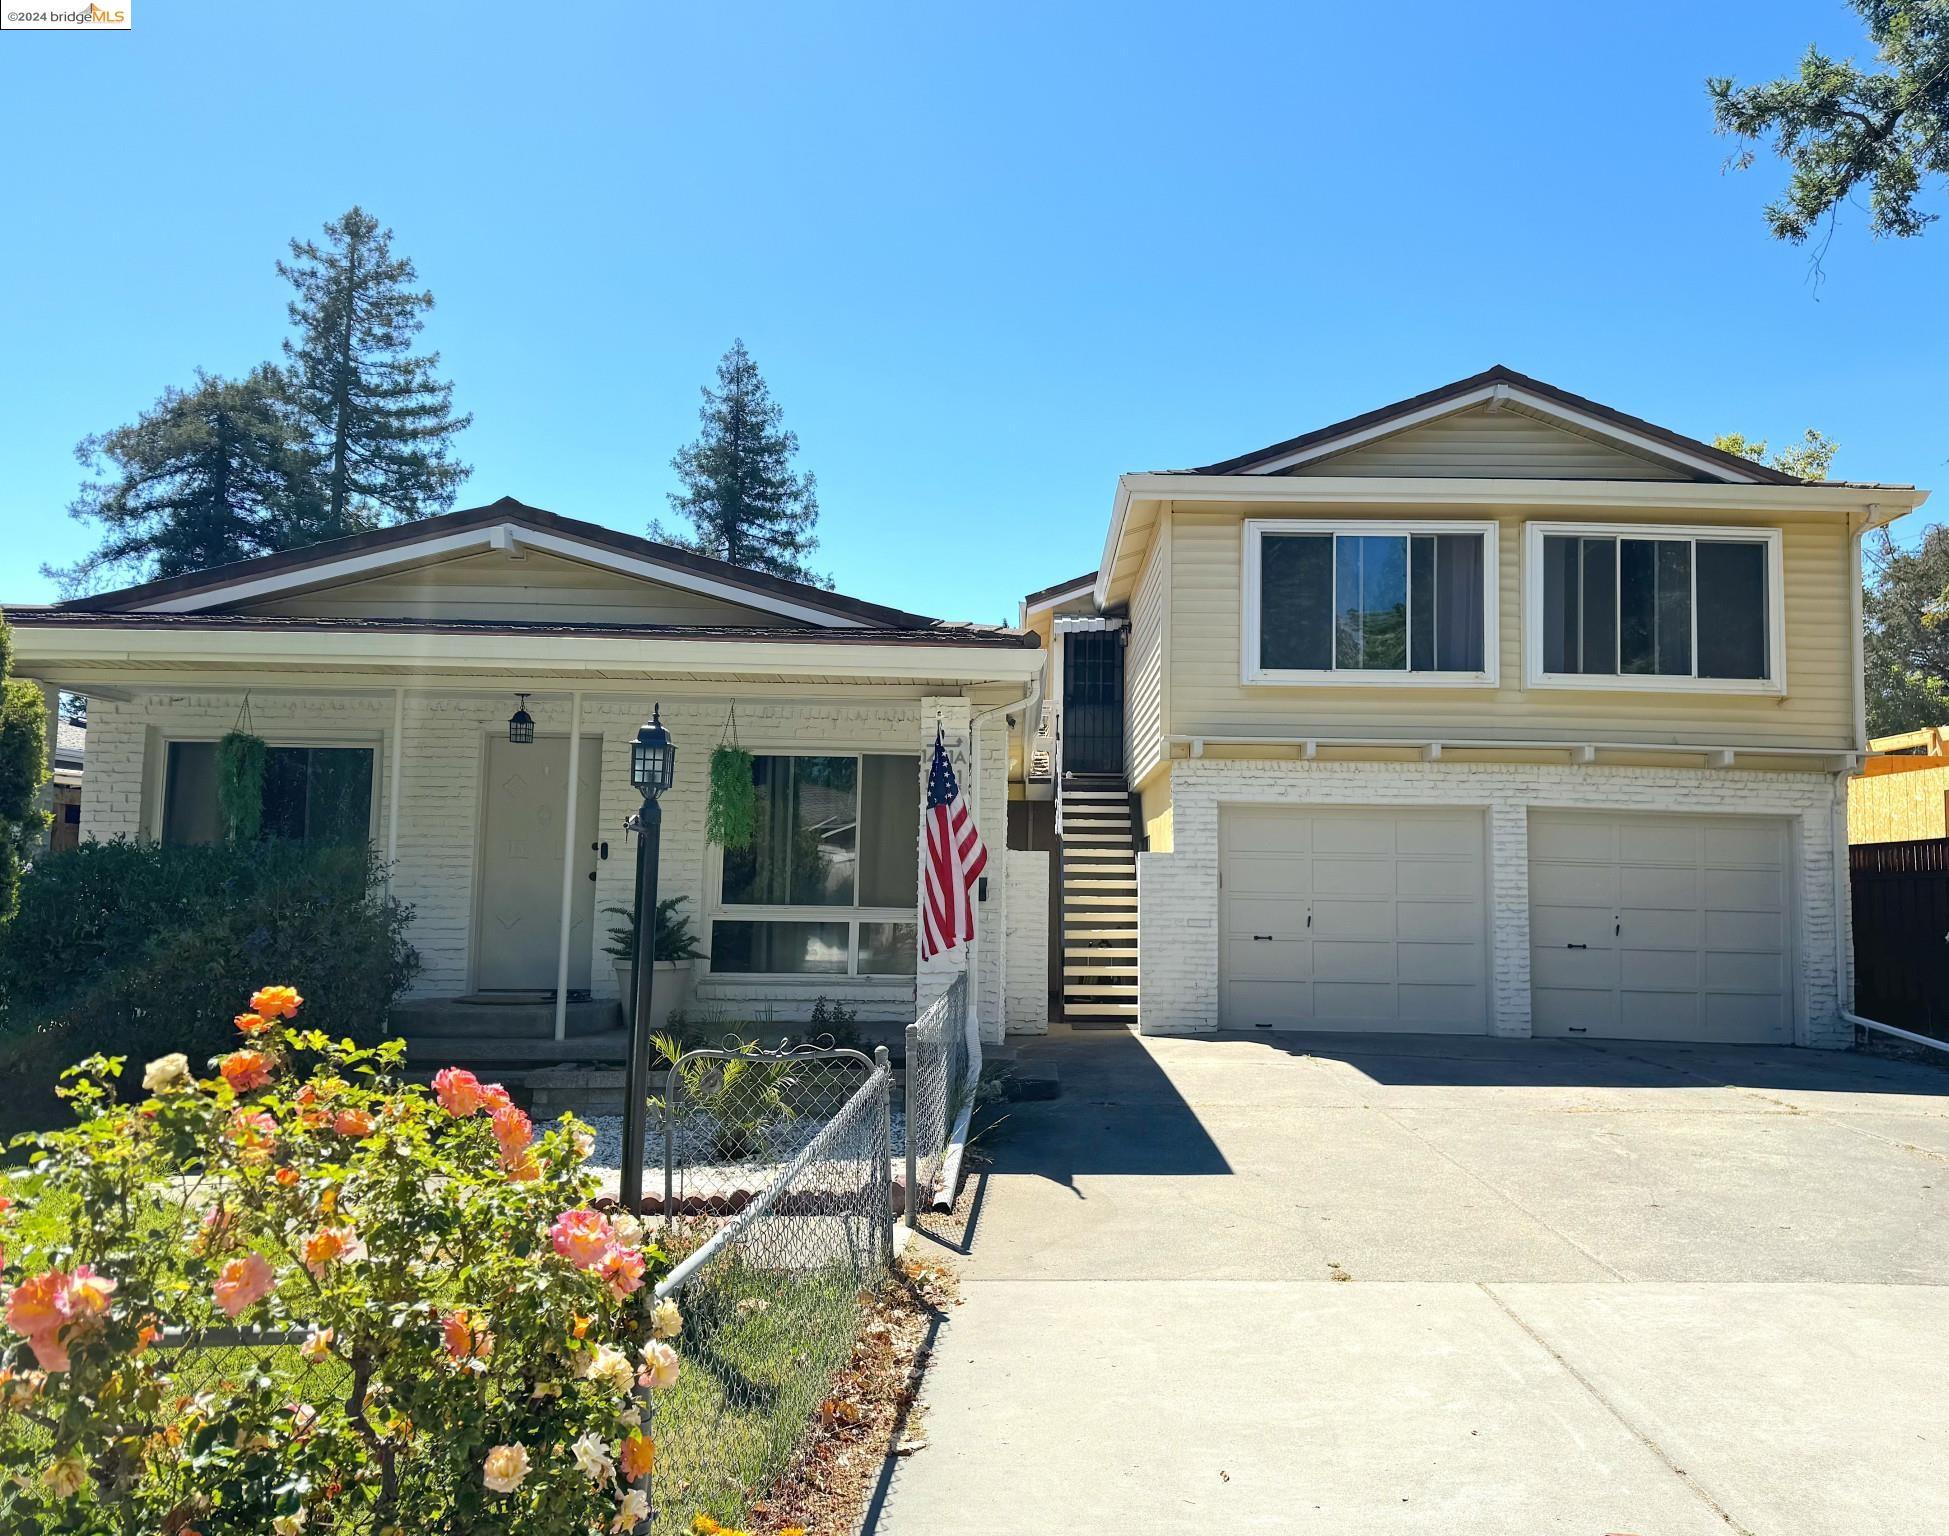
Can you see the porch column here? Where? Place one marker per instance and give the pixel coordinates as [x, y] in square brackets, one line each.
[568, 869]
[51, 703]
[949, 713]
[395, 755]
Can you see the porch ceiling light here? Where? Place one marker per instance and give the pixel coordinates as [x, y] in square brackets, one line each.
[521, 724]
[652, 758]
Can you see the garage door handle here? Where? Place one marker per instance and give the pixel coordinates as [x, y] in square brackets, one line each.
[1576, 946]
[1261, 938]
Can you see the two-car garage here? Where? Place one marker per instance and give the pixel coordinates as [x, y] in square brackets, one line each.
[1644, 926]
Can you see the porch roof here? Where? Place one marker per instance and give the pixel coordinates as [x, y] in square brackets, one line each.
[74, 647]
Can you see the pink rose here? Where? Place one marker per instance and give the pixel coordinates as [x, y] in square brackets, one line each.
[458, 1091]
[622, 1268]
[584, 1238]
[244, 1282]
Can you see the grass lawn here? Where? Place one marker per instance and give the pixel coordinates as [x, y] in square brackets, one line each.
[760, 1349]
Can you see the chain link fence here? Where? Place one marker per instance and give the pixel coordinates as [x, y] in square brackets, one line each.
[771, 1304]
[942, 1069]
[733, 1117]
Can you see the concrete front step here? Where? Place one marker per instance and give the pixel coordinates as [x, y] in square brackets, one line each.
[524, 1018]
[426, 1054]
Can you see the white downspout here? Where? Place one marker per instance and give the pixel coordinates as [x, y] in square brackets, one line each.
[395, 754]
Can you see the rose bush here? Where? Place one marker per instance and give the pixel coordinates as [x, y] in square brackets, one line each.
[459, 1339]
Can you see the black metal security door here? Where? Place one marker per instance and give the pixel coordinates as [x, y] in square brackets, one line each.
[1092, 701]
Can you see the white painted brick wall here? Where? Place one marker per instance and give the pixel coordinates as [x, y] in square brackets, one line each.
[444, 747]
[1027, 991]
[1178, 891]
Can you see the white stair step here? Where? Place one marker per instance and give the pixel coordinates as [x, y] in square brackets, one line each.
[1099, 1010]
[1120, 795]
[1113, 935]
[1072, 989]
[1109, 951]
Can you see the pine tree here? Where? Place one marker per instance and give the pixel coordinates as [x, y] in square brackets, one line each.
[205, 476]
[23, 769]
[744, 502]
[381, 422]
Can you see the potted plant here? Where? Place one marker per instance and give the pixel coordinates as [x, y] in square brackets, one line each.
[674, 946]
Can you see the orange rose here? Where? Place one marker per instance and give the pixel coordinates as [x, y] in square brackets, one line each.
[245, 1070]
[251, 1023]
[355, 1123]
[331, 1245]
[638, 1456]
[276, 1002]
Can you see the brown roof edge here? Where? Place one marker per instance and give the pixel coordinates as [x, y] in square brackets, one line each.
[1498, 375]
[1033, 598]
[67, 616]
[507, 509]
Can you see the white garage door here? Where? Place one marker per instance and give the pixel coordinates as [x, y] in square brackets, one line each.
[1351, 919]
[1660, 927]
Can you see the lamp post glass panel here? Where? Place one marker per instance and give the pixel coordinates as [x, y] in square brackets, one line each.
[652, 768]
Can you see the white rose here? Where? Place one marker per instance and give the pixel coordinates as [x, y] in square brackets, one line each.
[666, 1322]
[660, 1366]
[631, 1512]
[593, 1457]
[165, 1073]
[505, 1467]
[610, 1367]
[66, 1475]
[288, 1525]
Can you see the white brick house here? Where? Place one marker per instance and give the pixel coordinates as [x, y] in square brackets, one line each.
[1493, 711]
[383, 671]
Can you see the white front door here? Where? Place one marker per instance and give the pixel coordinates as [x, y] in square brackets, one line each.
[1660, 927]
[523, 802]
[1352, 920]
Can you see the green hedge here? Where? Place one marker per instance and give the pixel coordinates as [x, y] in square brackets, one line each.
[136, 949]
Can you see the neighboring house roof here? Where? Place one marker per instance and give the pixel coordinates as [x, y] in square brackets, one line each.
[1701, 458]
[292, 569]
[938, 633]
[1060, 589]
[70, 744]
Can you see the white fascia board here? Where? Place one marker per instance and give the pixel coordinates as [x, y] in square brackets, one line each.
[1402, 492]
[509, 536]
[1081, 589]
[1536, 405]
[100, 650]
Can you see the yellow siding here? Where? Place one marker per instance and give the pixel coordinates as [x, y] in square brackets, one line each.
[1143, 663]
[1505, 444]
[1155, 803]
[1898, 807]
[1207, 697]
[539, 588]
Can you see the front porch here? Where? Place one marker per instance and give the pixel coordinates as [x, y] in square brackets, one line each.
[511, 854]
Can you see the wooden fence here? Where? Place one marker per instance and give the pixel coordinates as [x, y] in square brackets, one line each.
[1901, 933]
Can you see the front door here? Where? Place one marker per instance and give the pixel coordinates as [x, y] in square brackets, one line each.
[523, 802]
[1092, 701]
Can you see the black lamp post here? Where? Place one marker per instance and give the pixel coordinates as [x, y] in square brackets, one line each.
[652, 768]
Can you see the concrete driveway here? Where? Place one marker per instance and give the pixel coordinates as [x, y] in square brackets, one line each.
[1411, 1284]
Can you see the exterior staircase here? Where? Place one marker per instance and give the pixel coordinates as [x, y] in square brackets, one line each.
[1099, 901]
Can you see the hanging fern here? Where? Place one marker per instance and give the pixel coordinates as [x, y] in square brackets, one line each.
[731, 816]
[240, 785]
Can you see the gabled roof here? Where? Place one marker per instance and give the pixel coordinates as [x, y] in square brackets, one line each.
[500, 524]
[1700, 459]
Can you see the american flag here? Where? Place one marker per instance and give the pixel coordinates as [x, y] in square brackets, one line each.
[955, 859]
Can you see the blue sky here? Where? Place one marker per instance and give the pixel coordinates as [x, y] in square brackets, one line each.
[988, 256]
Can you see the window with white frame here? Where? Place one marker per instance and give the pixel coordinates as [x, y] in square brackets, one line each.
[1655, 607]
[312, 794]
[1370, 602]
[829, 884]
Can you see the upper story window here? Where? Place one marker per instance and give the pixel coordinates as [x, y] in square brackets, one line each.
[1655, 608]
[1370, 602]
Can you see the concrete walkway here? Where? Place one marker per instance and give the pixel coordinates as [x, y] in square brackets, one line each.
[1382, 1284]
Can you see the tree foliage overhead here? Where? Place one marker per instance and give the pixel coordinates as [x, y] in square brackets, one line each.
[205, 476]
[381, 421]
[1841, 128]
[1906, 643]
[1808, 459]
[23, 770]
[741, 497]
